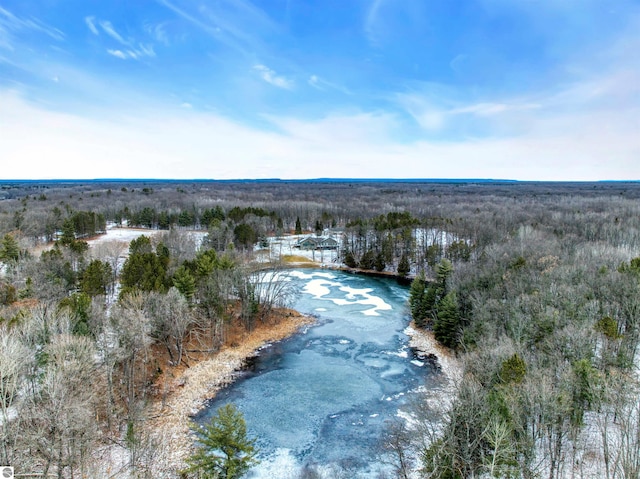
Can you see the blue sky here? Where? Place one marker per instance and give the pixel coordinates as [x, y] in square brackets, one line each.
[514, 89]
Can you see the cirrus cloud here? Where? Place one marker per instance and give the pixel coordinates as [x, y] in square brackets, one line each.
[271, 77]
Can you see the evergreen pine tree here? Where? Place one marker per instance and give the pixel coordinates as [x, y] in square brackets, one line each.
[184, 281]
[368, 260]
[447, 322]
[224, 450]
[9, 251]
[430, 300]
[141, 244]
[403, 266]
[95, 278]
[416, 295]
[68, 236]
[443, 271]
[513, 370]
[144, 271]
[349, 259]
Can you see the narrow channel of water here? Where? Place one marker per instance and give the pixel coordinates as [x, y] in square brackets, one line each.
[321, 400]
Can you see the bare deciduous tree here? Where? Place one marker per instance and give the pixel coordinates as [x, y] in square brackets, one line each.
[130, 332]
[61, 427]
[171, 319]
[15, 361]
[112, 253]
[272, 289]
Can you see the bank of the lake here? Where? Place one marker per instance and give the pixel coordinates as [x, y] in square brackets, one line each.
[190, 388]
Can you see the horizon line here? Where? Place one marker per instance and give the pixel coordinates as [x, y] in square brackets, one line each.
[307, 180]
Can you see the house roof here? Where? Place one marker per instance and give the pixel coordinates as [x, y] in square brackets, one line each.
[317, 241]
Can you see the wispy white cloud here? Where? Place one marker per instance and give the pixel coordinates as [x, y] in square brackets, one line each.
[158, 32]
[12, 23]
[91, 24]
[585, 130]
[237, 24]
[146, 50]
[441, 109]
[270, 76]
[186, 16]
[342, 128]
[492, 109]
[118, 54]
[429, 107]
[5, 39]
[108, 28]
[458, 62]
[133, 53]
[241, 20]
[129, 49]
[321, 84]
[370, 19]
[386, 21]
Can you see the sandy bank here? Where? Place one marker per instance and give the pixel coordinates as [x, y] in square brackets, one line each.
[424, 341]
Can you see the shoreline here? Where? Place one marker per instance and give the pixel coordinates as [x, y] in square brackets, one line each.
[424, 341]
[189, 391]
[186, 392]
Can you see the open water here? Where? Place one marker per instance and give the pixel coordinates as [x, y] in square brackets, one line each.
[321, 400]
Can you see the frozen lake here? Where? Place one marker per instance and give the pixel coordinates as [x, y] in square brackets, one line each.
[322, 399]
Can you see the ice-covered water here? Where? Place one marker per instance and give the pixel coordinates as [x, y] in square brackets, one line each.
[322, 399]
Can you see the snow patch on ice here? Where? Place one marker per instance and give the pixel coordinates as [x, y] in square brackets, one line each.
[321, 288]
[402, 353]
[281, 464]
[302, 275]
[318, 288]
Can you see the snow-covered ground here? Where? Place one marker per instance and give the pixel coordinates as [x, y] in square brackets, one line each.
[278, 246]
[427, 236]
[125, 234]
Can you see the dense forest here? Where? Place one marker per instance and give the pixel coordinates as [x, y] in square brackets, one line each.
[534, 286]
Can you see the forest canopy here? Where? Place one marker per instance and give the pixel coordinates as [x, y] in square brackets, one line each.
[534, 286]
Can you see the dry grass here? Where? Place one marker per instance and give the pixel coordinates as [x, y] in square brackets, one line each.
[292, 258]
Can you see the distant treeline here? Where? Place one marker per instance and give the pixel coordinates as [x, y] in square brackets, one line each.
[383, 221]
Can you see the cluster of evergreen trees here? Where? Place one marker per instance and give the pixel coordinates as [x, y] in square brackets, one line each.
[150, 217]
[434, 305]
